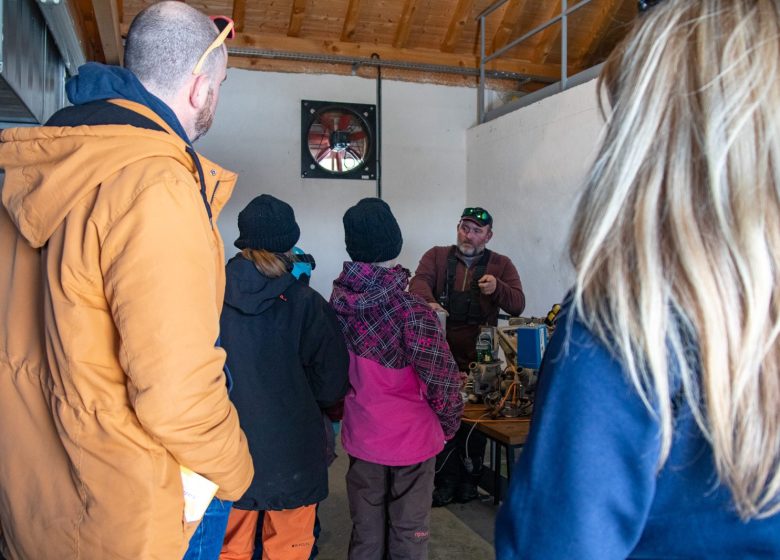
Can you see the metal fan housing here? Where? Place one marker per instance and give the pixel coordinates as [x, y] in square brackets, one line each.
[338, 140]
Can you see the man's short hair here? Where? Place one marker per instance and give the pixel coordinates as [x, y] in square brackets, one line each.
[164, 43]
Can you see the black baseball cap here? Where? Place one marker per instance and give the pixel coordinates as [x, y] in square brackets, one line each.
[477, 215]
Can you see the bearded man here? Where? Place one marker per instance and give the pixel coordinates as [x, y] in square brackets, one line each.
[471, 284]
[112, 285]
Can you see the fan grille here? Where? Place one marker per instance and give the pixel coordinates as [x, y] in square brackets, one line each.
[338, 140]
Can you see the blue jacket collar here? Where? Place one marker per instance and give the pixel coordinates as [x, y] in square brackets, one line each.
[96, 82]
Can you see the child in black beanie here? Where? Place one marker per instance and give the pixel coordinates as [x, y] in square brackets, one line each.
[404, 399]
[288, 363]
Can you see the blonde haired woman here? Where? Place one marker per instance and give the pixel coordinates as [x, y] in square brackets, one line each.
[657, 431]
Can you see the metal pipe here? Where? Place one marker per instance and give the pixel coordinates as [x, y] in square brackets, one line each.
[522, 38]
[481, 85]
[564, 43]
[378, 116]
[536, 30]
[492, 8]
[362, 61]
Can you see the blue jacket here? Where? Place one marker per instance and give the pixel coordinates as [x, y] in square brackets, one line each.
[586, 485]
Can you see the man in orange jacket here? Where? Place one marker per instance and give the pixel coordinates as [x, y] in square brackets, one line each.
[110, 295]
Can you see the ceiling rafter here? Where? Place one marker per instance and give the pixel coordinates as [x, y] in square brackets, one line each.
[350, 20]
[239, 15]
[404, 24]
[297, 13]
[545, 39]
[599, 24]
[88, 32]
[107, 14]
[459, 19]
[509, 23]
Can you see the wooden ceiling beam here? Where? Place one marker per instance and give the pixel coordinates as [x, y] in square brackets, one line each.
[599, 24]
[547, 37]
[459, 19]
[509, 23]
[282, 43]
[107, 16]
[239, 15]
[404, 24]
[350, 20]
[297, 14]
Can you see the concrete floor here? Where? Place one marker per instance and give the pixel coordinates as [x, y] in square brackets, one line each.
[458, 531]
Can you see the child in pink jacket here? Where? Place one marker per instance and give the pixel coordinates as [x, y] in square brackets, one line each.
[404, 399]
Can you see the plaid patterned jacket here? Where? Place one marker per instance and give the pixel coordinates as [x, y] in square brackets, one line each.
[383, 323]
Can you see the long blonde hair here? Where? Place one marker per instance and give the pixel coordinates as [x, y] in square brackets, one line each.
[271, 265]
[677, 235]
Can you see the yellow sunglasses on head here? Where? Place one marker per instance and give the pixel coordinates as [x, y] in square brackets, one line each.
[225, 26]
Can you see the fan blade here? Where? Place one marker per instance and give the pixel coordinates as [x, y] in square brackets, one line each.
[358, 157]
[318, 140]
[323, 122]
[322, 154]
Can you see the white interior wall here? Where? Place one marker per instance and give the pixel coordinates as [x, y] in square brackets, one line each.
[527, 168]
[256, 133]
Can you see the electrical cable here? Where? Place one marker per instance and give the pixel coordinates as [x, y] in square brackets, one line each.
[447, 458]
[467, 462]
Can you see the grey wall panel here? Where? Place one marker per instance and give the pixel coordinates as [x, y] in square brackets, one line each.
[32, 74]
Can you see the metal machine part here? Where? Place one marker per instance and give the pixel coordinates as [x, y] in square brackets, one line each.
[485, 378]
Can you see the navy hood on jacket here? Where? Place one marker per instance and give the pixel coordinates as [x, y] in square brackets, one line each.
[248, 290]
[99, 82]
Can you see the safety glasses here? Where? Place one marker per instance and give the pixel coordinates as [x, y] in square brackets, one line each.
[479, 214]
[226, 31]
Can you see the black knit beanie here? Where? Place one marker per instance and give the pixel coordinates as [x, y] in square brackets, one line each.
[371, 232]
[267, 223]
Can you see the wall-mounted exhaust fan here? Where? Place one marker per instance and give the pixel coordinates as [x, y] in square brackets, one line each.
[338, 140]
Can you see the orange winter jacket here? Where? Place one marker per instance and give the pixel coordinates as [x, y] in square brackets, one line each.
[111, 288]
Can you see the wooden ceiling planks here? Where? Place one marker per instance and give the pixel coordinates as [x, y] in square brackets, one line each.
[510, 21]
[544, 41]
[460, 17]
[615, 28]
[431, 32]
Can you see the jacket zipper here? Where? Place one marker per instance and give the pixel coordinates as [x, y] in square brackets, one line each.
[213, 194]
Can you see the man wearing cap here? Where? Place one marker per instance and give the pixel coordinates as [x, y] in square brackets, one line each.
[470, 283]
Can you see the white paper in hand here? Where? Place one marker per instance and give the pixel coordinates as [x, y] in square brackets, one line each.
[198, 493]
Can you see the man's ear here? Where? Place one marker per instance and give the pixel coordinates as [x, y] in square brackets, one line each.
[199, 91]
[489, 235]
